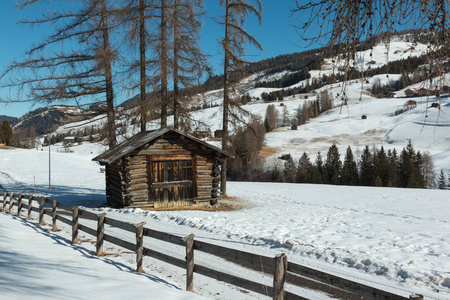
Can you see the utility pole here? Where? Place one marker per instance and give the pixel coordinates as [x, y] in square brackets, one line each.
[49, 138]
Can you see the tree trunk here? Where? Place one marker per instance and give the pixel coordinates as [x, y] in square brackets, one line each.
[175, 65]
[163, 64]
[111, 125]
[226, 99]
[142, 62]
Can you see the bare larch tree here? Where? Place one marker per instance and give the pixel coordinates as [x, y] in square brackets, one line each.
[235, 38]
[136, 16]
[163, 61]
[81, 67]
[188, 62]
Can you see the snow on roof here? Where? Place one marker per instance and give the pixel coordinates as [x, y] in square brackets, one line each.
[140, 140]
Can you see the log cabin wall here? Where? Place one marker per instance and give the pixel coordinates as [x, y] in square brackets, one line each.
[114, 182]
[129, 181]
[137, 186]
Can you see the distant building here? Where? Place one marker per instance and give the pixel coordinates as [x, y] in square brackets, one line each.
[419, 93]
[69, 141]
[410, 93]
[424, 92]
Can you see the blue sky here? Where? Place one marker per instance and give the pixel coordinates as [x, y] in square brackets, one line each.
[276, 34]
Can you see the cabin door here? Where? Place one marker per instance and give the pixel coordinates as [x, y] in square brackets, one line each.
[171, 182]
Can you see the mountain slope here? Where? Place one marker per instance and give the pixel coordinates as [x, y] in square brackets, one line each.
[425, 126]
[48, 119]
[11, 120]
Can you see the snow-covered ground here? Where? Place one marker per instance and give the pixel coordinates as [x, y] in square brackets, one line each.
[384, 236]
[36, 264]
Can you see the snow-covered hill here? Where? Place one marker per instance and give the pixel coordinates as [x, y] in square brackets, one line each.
[425, 126]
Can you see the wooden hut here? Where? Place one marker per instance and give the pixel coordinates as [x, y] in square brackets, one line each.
[162, 168]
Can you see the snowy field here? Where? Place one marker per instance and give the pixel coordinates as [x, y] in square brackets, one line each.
[384, 236]
[36, 264]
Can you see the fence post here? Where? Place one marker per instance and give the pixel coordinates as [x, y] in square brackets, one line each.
[139, 246]
[5, 194]
[11, 203]
[279, 277]
[189, 240]
[54, 203]
[41, 211]
[75, 217]
[19, 205]
[30, 205]
[100, 233]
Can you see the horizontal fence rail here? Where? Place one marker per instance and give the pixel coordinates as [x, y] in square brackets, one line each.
[279, 267]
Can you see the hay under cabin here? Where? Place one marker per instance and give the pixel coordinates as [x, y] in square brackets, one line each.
[161, 169]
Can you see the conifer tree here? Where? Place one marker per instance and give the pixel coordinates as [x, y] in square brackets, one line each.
[393, 169]
[6, 133]
[333, 166]
[366, 174]
[317, 172]
[304, 169]
[442, 185]
[410, 168]
[418, 175]
[290, 170]
[381, 167]
[349, 169]
[405, 168]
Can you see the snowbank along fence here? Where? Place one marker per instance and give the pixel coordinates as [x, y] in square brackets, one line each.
[278, 267]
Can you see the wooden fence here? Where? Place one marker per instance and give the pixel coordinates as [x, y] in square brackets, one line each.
[278, 267]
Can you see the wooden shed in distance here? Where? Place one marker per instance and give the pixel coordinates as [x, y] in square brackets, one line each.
[162, 168]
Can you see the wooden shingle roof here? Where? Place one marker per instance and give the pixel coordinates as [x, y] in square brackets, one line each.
[142, 138]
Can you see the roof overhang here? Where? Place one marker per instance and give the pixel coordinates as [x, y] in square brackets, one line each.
[142, 138]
